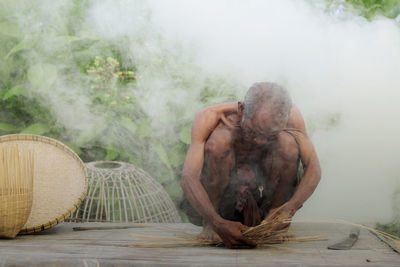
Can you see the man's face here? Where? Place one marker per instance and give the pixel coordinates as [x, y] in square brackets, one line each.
[262, 129]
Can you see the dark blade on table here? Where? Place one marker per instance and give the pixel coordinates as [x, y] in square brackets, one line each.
[348, 242]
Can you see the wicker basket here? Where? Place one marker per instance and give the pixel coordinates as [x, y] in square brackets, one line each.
[16, 189]
[59, 184]
[121, 192]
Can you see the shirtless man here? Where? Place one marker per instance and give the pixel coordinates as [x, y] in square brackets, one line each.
[243, 161]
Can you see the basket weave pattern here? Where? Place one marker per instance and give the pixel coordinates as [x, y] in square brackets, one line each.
[122, 192]
[16, 189]
[59, 184]
[14, 211]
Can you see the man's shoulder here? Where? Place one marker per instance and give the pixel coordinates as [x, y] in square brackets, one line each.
[296, 120]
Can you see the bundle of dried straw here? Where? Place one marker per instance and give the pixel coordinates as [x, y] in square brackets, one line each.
[267, 233]
[16, 188]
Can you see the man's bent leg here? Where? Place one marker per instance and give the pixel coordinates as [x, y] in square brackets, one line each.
[218, 164]
[281, 165]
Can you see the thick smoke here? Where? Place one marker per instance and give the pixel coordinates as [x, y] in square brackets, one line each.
[341, 70]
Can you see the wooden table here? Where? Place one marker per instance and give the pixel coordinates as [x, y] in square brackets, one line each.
[62, 246]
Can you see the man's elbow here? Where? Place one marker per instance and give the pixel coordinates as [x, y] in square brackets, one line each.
[313, 172]
[317, 175]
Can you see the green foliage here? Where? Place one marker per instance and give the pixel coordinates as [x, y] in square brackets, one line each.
[36, 128]
[326, 122]
[372, 8]
[185, 134]
[367, 8]
[14, 92]
[107, 81]
[42, 76]
[6, 127]
[391, 228]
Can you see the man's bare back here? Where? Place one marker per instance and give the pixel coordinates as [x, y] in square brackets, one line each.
[243, 161]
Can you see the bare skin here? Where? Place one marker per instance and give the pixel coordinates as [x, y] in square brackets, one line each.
[222, 140]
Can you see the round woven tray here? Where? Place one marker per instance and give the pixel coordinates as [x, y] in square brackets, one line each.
[60, 181]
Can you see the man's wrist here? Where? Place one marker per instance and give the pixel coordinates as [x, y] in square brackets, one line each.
[293, 207]
[215, 221]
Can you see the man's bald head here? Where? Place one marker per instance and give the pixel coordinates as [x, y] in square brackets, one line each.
[270, 98]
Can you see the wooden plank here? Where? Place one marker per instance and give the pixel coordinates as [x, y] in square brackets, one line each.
[62, 246]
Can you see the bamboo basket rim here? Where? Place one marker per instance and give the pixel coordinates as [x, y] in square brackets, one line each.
[55, 218]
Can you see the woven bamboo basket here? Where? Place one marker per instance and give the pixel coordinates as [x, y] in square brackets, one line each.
[16, 188]
[59, 184]
[121, 192]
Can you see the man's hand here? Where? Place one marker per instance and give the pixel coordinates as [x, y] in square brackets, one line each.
[231, 233]
[285, 211]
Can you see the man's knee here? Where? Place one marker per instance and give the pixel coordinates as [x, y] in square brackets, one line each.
[219, 143]
[288, 148]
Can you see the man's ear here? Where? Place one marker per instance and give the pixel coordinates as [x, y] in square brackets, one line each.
[240, 107]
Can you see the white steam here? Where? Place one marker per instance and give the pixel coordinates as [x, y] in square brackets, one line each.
[349, 67]
[331, 65]
[346, 68]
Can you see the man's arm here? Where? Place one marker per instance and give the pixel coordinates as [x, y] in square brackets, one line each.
[230, 232]
[203, 125]
[309, 159]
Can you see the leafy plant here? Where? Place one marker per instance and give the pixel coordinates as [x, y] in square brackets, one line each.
[391, 227]
[107, 80]
[372, 8]
[368, 8]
